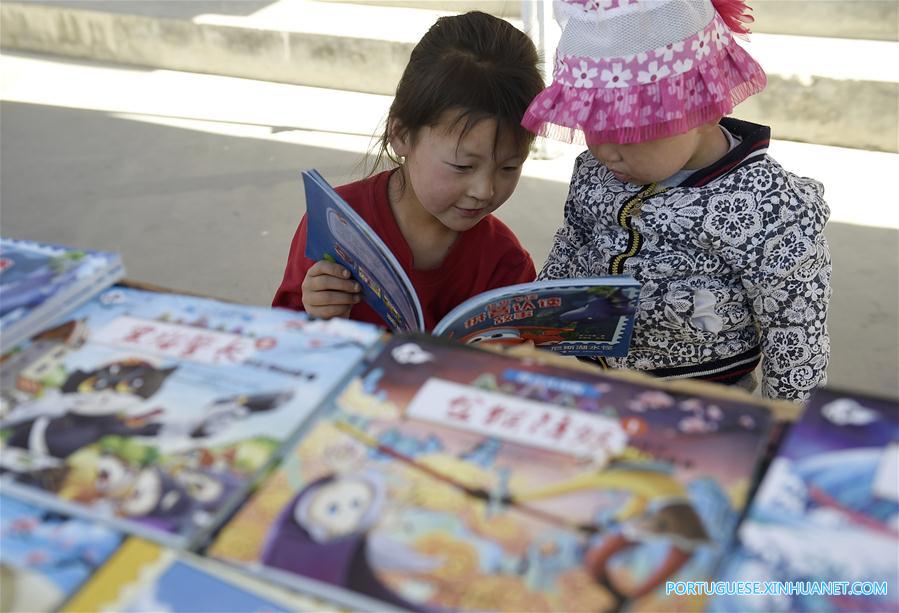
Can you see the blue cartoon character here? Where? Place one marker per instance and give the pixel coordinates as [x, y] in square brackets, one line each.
[325, 533]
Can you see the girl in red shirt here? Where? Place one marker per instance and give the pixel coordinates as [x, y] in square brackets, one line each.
[454, 135]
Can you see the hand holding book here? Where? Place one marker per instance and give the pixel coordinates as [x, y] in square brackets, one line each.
[328, 291]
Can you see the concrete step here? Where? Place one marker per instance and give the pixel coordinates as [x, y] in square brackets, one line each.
[864, 19]
[821, 90]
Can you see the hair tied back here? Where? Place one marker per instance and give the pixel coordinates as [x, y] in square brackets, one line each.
[736, 14]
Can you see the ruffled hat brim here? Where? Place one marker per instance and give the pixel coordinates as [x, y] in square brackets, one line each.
[647, 96]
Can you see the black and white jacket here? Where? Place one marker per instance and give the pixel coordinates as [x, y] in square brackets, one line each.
[733, 263]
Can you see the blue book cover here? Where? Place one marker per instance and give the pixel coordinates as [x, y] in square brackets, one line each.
[40, 282]
[46, 556]
[827, 510]
[157, 411]
[583, 317]
[143, 576]
[337, 233]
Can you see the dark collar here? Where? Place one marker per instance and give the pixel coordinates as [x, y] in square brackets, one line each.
[753, 146]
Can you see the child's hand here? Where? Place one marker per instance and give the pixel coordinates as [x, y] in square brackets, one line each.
[328, 291]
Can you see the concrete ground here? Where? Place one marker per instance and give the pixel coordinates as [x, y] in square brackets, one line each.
[195, 180]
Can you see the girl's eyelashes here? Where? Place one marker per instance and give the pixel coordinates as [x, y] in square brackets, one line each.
[460, 167]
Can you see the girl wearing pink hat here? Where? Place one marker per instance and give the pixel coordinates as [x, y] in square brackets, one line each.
[728, 245]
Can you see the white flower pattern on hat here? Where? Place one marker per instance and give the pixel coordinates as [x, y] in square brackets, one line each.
[701, 46]
[583, 76]
[617, 77]
[652, 73]
[667, 52]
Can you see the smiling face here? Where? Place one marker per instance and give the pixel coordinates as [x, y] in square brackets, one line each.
[458, 178]
[656, 160]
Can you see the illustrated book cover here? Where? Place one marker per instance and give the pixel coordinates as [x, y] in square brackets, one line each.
[45, 556]
[445, 477]
[826, 511]
[585, 317]
[40, 282]
[143, 576]
[157, 411]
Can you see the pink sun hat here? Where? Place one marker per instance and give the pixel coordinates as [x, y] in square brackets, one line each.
[628, 71]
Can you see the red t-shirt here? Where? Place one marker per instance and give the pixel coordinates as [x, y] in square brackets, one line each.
[483, 258]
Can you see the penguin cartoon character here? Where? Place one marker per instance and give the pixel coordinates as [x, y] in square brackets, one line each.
[88, 406]
[324, 533]
[222, 413]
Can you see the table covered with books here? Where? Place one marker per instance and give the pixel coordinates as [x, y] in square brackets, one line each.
[170, 452]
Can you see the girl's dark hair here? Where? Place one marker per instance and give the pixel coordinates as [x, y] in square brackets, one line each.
[476, 63]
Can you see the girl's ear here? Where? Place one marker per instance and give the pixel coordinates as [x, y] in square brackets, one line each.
[398, 137]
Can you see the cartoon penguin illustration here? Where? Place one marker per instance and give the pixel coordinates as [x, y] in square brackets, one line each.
[88, 407]
[323, 533]
[221, 413]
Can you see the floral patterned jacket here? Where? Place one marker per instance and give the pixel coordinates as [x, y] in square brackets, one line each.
[733, 264]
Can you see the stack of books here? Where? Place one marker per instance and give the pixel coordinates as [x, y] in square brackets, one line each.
[39, 281]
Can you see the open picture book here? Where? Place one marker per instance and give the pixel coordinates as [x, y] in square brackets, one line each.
[585, 317]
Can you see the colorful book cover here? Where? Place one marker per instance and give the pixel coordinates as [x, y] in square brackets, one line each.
[585, 317]
[826, 511]
[40, 282]
[157, 411]
[445, 477]
[143, 576]
[45, 556]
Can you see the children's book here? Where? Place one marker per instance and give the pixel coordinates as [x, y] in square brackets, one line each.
[444, 477]
[143, 576]
[41, 282]
[45, 556]
[156, 411]
[826, 515]
[585, 317]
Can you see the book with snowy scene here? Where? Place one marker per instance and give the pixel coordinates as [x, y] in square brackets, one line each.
[826, 514]
[448, 478]
[584, 317]
[46, 556]
[155, 412]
